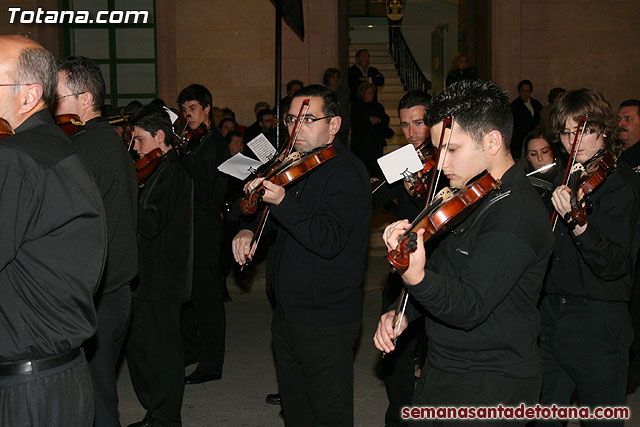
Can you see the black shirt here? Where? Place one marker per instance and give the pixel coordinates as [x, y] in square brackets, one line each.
[52, 243]
[599, 263]
[317, 261]
[631, 156]
[165, 234]
[111, 166]
[482, 285]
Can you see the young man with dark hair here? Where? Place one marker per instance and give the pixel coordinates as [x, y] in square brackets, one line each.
[204, 320]
[586, 330]
[316, 268]
[399, 367]
[81, 91]
[165, 239]
[53, 246]
[481, 284]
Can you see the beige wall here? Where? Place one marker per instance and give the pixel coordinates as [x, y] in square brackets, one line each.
[229, 45]
[567, 43]
[49, 35]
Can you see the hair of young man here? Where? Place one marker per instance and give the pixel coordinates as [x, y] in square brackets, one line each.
[294, 82]
[153, 118]
[328, 73]
[360, 51]
[575, 104]
[84, 75]
[196, 92]
[414, 98]
[330, 105]
[263, 113]
[477, 107]
[525, 82]
[36, 65]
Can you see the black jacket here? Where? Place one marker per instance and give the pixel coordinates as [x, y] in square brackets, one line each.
[523, 123]
[111, 166]
[482, 285]
[165, 234]
[52, 243]
[317, 261]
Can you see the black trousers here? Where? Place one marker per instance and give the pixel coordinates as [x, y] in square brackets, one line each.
[398, 367]
[438, 388]
[61, 396]
[103, 351]
[204, 319]
[634, 309]
[584, 345]
[156, 361]
[315, 372]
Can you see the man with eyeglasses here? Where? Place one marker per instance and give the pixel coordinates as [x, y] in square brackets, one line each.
[585, 325]
[316, 269]
[81, 91]
[52, 250]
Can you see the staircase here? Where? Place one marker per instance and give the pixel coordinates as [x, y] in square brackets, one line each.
[390, 94]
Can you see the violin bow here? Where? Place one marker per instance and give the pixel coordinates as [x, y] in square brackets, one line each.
[572, 160]
[257, 235]
[435, 177]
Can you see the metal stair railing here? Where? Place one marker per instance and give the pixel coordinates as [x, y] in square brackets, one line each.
[410, 73]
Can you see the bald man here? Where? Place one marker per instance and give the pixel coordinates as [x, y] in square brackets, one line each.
[52, 251]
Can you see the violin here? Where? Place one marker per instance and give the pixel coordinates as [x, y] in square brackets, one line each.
[192, 137]
[147, 165]
[588, 178]
[69, 123]
[425, 153]
[5, 129]
[446, 210]
[582, 124]
[294, 167]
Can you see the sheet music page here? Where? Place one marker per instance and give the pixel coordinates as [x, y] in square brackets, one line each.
[239, 166]
[262, 148]
[399, 162]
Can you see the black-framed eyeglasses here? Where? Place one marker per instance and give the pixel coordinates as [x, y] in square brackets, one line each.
[71, 94]
[290, 120]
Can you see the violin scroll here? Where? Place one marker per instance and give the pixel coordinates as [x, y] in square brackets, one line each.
[5, 129]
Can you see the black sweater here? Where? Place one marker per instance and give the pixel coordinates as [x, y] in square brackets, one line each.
[317, 262]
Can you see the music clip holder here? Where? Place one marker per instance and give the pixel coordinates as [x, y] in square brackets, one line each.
[400, 163]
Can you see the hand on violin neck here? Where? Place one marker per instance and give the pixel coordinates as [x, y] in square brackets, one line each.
[273, 193]
[561, 199]
[417, 260]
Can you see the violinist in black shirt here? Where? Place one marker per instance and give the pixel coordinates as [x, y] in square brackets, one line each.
[481, 284]
[53, 245]
[204, 320]
[586, 328]
[316, 267]
[165, 221]
[81, 91]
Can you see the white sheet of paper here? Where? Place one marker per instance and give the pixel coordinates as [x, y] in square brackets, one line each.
[400, 161]
[262, 148]
[173, 116]
[239, 166]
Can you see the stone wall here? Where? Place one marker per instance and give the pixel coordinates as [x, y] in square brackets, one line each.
[567, 43]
